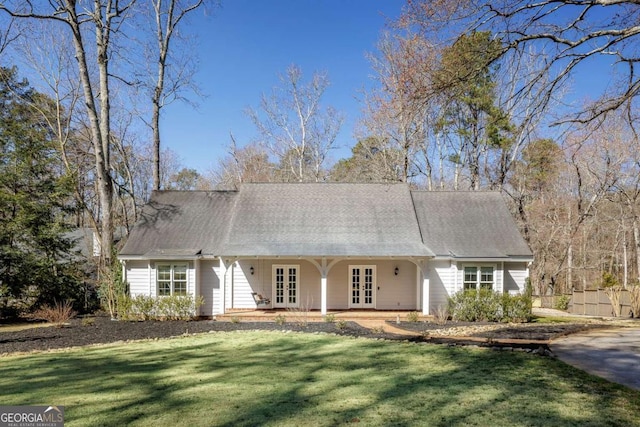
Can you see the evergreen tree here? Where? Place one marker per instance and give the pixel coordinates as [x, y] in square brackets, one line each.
[36, 264]
[467, 77]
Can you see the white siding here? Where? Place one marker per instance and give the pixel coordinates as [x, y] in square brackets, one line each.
[209, 276]
[515, 275]
[239, 295]
[141, 276]
[191, 279]
[138, 277]
[258, 282]
[401, 292]
[442, 283]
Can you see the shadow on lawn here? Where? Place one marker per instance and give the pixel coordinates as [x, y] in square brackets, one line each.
[315, 380]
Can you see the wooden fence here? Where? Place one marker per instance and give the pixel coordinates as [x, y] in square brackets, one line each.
[594, 302]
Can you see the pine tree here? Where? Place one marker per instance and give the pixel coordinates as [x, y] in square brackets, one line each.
[36, 264]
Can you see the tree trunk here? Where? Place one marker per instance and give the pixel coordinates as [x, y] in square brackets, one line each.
[99, 125]
[636, 241]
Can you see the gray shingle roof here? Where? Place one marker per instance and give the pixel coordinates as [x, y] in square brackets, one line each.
[468, 224]
[325, 220]
[182, 222]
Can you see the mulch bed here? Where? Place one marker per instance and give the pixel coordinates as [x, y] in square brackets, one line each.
[104, 330]
[507, 331]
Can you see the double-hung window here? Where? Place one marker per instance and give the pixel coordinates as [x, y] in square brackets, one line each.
[172, 279]
[478, 277]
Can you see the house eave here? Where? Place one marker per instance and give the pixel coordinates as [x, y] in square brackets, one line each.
[328, 256]
[508, 258]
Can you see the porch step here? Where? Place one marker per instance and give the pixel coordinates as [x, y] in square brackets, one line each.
[315, 316]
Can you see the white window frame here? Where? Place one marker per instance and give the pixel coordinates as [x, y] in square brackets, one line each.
[172, 278]
[480, 273]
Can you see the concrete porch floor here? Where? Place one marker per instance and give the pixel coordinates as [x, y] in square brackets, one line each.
[268, 315]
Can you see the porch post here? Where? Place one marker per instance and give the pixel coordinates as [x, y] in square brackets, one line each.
[425, 295]
[323, 287]
[425, 288]
[323, 295]
[223, 280]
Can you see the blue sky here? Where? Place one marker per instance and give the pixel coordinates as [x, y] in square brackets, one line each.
[245, 44]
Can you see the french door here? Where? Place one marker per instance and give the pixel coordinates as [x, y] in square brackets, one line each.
[286, 279]
[362, 286]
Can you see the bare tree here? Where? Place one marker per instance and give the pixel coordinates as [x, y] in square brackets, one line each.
[8, 32]
[168, 14]
[242, 164]
[568, 34]
[397, 112]
[102, 19]
[295, 128]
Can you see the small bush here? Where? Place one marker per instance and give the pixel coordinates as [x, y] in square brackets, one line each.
[330, 318]
[235, 319]
[123, 305]
[516, 308]
[561, 302]
[441, 315]
[378, 329]
[473, 305]
[413, 316]
[88, 321]
[144, 306]
[609, 280]
[280, 319]
[341, 324]
[59, 314]
[486, 305]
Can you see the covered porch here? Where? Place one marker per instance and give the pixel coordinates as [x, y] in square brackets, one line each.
[391, 286]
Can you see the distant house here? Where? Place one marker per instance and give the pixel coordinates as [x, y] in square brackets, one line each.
[324, 246]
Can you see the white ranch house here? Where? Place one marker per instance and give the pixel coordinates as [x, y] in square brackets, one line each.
[324, 247]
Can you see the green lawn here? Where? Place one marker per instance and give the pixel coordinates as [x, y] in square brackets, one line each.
[275, 378]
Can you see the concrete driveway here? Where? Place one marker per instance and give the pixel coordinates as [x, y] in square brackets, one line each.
[613, 354]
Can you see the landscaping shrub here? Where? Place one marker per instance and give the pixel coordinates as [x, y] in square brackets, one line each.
[59, 314]
[441, 315]
[473, 305]
[123, 307]
[516, 308]
[561, 302]
[88, 321]
[413, 316]
[330, 318]
[143, 307]
[280, 319]
[634, 295]
[615, 293]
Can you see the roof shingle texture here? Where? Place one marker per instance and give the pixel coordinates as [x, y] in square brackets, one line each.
[468, 224]
[325, 219]
[182, 223]
[377, 220]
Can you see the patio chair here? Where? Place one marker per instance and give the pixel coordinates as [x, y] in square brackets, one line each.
[259, 299]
